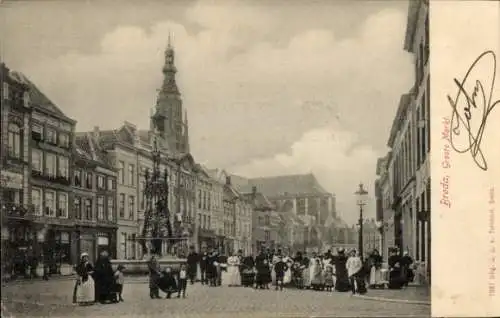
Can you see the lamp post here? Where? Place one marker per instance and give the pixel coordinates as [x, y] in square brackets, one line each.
[361, 196]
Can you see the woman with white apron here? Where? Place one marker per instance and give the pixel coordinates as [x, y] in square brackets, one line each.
[85, 293]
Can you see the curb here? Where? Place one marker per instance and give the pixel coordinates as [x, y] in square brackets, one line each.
[394, 300]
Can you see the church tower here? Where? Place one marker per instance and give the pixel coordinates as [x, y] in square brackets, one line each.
[167, 117]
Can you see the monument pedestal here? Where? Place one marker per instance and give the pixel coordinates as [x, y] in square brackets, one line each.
[140, 267]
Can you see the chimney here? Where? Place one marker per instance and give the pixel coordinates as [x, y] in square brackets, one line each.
[96, 134]
[228, 180]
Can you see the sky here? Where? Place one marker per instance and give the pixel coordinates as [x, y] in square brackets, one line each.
[270, 88]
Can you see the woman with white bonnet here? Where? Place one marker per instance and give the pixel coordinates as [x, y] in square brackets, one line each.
[85, 294]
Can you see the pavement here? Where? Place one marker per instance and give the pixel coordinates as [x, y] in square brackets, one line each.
[54, 299]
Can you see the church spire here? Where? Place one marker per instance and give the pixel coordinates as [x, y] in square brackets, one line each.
[169, 85]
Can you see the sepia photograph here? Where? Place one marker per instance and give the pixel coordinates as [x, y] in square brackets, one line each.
[215, 158]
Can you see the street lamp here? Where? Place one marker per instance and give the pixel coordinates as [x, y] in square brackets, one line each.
[361, 197]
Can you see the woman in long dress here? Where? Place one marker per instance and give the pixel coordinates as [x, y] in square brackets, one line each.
[376, 270]
[306, 273]
[233, 271]
[287, 279]
[85, 293]
[341, 277]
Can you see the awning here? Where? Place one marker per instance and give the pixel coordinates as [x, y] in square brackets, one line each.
[206, 233]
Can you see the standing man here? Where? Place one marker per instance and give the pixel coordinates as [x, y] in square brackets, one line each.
[154, 276]
[192, 264]
[203, 268]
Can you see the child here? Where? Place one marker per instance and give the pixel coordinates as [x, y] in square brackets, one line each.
[182, 281]
[329, 277]
[280, 268]
[119, 281]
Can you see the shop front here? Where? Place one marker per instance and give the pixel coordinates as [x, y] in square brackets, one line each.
[93, 241]
[206, 239]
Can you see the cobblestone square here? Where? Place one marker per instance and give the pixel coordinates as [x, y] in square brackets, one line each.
[54, 299]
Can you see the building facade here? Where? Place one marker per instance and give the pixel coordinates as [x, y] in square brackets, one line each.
[15, 142]
[303, 196]
[94, 200]
[52, 148]
[404, 174]
[417, 41]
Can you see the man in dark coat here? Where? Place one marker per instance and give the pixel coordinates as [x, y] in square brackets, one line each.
[192, 264]
[103, 278]
[211, 268]
[154, 276]
[203, 268]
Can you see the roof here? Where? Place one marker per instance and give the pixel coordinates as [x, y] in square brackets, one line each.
[261, 201]
[86, 148]
[411, 23]
[399, 119]
[38, 99]
[286, 185]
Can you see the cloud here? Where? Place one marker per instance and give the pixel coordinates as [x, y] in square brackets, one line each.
[250, 90]
[337, 160]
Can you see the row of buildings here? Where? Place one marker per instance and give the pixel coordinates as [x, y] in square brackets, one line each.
[403, 184]
[64, 192]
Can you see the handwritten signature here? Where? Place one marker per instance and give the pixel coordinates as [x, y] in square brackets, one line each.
[480, 96]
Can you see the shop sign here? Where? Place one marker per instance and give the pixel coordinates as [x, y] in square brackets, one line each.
[102, 240]
[11, 180]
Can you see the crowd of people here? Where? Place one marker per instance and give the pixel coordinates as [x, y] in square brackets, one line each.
[342, 272]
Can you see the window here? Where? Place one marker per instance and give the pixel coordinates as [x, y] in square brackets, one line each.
[51, 136]
[199, 219]
[131, 175]
[111, 208]
[64, 140]
[204, 221]
[111, 184]
[77, 177]
[5, 90]
[37, 160]
[100, 208]
[50, 204]
[36, 200]
[14, 149]
[100, 182]
[142, 185]
[37, 132]
[62, 209]
[63, 167]
[88, 209]
[50, 165]
[208, 201]
[88, 180]
[199, 198]
[268, 220]
[131, 207]
[121, 206]
[123, 245]
[121, 174]
[62, 248]
[209, 222]
[78, 208]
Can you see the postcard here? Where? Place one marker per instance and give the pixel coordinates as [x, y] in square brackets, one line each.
[295, 158]
[465, 98]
